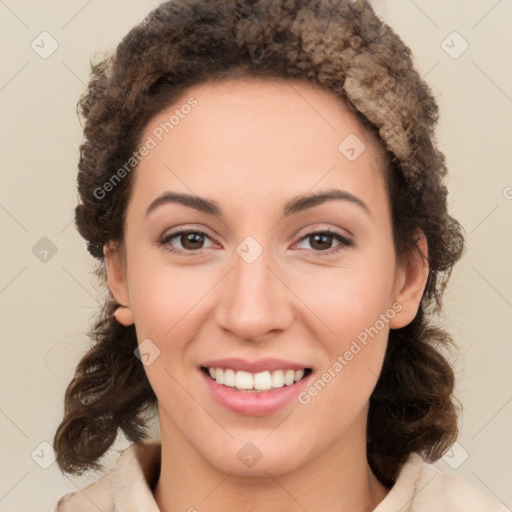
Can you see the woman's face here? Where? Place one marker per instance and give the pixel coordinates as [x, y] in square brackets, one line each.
[269, 282]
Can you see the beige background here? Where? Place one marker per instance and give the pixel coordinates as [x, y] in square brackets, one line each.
[46, 306]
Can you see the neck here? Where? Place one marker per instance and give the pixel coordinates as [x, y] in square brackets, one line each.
[338, 480]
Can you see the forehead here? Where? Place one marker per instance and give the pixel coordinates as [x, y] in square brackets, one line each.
[260, 138]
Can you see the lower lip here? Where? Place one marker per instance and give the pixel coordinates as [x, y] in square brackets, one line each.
[258, 403]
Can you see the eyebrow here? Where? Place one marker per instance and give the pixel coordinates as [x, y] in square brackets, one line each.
[295, 205]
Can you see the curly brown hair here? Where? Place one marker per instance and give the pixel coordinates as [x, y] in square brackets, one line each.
[345, 48]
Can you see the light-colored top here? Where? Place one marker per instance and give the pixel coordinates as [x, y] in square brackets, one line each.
[420, 487]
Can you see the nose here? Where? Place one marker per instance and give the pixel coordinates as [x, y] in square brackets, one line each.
[255, 301]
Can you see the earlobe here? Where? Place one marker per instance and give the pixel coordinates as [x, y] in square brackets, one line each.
[123, 314]
[116, 277]
[411, 285]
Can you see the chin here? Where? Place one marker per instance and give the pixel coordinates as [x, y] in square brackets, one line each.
[243, 457]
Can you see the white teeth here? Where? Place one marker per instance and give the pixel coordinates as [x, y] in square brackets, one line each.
[229, 378]
[243, 380]
[289, 377]
[278, 379]
[261, 381]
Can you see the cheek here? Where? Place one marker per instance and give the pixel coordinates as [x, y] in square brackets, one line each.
[163, 298]
[357, 317]
[354, 305]
[351, 298]
[166, 303]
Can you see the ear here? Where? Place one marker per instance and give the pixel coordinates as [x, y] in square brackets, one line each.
[410, 283]
[115, 260]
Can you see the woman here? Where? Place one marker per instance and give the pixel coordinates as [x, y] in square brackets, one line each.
[260, 183]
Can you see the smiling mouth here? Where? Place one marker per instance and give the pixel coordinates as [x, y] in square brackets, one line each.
[255, 382]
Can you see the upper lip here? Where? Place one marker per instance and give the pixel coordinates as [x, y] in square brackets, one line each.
[254, 366]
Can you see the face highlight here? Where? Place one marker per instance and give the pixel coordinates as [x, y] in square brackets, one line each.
[257, 251]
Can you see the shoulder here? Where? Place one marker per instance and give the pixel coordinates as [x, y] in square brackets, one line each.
[453, 493]
[135, 471]
[98, 495]
[421, 487]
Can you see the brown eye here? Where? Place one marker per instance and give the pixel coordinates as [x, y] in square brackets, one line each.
[191, 240]
[321, 241]
[185, 241]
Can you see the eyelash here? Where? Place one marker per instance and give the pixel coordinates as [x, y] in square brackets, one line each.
[344, 242]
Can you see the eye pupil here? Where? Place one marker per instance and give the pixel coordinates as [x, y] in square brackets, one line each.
[193, 238]
[325, 240]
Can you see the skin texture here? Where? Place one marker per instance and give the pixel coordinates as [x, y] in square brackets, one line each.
[251, 146]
